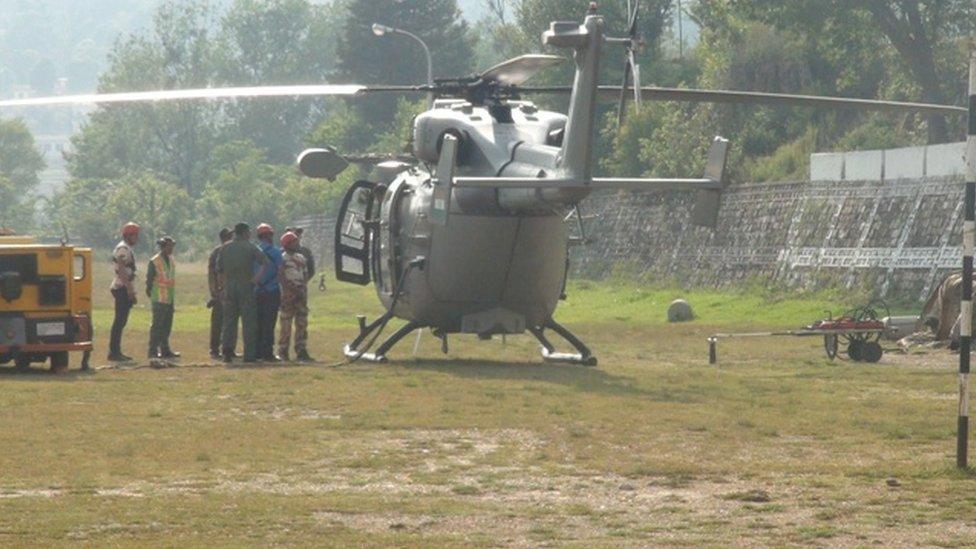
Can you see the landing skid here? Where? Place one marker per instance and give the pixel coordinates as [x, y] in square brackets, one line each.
[353, 351]
[583, 357]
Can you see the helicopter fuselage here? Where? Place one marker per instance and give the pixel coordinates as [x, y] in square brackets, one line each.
[498, 265]
[472, 237]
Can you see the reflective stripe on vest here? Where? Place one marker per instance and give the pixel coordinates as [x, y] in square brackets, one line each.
[164, 285]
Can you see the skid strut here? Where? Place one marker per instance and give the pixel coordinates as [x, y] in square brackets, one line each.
[353, 351]
[583, 356]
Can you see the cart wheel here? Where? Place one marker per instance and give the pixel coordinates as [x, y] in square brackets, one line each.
[22, 363]
[855, 350]
[830, 345]
[59, 361]
[872, 352]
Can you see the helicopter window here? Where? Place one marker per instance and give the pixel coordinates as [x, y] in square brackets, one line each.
[354, 232]
[352, 239]
[353, 266]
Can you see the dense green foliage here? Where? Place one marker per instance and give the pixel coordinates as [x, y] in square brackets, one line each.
[19, 166]
[393, 59]
[220, 162]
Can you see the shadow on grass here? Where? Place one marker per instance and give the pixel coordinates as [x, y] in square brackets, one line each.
[580, 378]
[9, 373]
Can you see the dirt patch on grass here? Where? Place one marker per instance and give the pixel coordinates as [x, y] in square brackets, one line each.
[482, 485]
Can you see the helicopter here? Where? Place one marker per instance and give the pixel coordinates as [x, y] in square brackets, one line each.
[470, 234]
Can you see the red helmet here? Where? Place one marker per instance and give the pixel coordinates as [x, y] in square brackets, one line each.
[130, 229]
[288, 239]
[264, 229]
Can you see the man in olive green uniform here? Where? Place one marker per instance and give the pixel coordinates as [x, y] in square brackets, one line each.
[236, 264]
[160, 289]
[216, 302]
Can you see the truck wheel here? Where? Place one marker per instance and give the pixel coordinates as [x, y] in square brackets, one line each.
[22, 363]
[59, 361]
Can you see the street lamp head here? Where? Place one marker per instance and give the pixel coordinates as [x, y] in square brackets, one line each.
[381, 30]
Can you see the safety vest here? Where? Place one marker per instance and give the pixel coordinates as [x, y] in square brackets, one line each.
[165, 283]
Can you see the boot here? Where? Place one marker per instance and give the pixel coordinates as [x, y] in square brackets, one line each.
[302, 356]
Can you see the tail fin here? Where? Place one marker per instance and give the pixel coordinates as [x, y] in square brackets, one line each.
[708, 202]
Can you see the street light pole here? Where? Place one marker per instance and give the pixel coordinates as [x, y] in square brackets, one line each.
[383, 30]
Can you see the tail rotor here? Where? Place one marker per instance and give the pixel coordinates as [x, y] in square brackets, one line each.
[633, 43]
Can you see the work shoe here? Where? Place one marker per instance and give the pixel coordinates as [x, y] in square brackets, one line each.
[169, 354]
[119, 358]
[303, 356]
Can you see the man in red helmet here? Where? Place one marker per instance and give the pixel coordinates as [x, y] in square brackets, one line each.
[123, 288]
[293, 277]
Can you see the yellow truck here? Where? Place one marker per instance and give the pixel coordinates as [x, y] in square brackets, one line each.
[45, 302]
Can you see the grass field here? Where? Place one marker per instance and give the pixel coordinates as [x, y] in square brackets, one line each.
[488, 445]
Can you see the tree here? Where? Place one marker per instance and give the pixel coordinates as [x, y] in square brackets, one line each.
[160, 207]
[20, 164]
[92, 210]
[367, 59]
[80, 209]
[173, 140]
[243, 187]
[922, 32]
[276, 42]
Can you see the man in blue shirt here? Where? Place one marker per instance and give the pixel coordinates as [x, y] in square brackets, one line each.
[268, 294]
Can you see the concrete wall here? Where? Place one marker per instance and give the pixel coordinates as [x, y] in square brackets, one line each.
[908, 163]
[889, 220]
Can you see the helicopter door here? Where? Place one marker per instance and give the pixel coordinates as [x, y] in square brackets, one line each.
[352, 238]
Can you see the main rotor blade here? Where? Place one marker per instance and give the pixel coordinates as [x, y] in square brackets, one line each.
[519, 70]
[762, 98]
[176, 95]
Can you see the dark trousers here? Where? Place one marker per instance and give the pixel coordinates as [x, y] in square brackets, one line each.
[239, 305]
[269, 303]
[123, 304]
[162, 326]
[216, 325]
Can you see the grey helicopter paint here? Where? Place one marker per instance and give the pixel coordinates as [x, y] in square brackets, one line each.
[480, 244]
[468, 234]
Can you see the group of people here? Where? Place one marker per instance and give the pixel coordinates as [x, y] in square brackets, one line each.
[251, 284]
